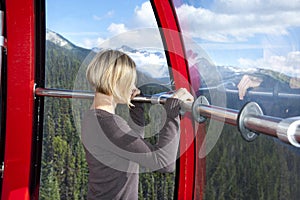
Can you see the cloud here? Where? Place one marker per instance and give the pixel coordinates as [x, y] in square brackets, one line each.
[144, 16]
[264, 30]
[91, 33]
[97, 18]
[91, 43]
[155, 65]
[137, 38]
[109, 14]
[231, 21]
[255, 6]
[288, 64]
[116, 29]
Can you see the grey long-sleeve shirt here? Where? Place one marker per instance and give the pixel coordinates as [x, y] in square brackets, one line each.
[114, 151]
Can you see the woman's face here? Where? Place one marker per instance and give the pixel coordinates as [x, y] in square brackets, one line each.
[134, 92]
[129, 93]
[125, 85]
[130, 89]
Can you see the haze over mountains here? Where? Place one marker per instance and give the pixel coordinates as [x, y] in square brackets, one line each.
[150, 63]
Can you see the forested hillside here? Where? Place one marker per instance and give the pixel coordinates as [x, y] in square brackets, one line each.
[263, 169]
[64, 170]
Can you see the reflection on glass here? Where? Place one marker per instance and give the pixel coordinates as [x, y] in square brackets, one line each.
[252, 54]
[241, 40]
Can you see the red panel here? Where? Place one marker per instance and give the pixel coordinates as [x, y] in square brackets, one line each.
[171, 33]
[200, 167]
[20, 81]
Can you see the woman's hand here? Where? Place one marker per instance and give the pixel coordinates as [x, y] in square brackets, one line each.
[135, 92]
[183, 95]
[295, 83]
[186, 98]
[247, 82]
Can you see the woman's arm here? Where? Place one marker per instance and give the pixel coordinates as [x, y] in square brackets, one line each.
[122, 140]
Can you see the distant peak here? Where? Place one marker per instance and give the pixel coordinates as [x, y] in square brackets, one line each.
[126, 48]
[58, 39]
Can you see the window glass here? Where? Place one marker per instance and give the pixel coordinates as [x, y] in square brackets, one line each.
[254, 46]
[76, 31]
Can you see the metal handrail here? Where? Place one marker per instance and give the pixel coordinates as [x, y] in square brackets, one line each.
[256, 123]
[47, 92]
[249, 120]
[253, 92]
[77, 94]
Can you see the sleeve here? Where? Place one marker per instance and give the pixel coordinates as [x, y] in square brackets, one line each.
[137, 120]
[155, 157]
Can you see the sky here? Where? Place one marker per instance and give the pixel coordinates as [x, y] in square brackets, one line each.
[89, 23]
[256, 33]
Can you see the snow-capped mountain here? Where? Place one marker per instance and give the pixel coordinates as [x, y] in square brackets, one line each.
[152, 63]
[58, 40]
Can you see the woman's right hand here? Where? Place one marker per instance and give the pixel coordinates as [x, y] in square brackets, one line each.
[295, 83]
[246, 83]
[186, 98]
[183, 95]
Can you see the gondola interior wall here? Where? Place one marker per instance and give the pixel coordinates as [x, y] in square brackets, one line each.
[240, 138]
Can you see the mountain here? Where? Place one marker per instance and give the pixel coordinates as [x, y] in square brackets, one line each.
[58, 40]
[125, 48]
[147, 73]
[61, 53]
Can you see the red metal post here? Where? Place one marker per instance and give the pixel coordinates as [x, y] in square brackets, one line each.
[167, 20]
[20, 82]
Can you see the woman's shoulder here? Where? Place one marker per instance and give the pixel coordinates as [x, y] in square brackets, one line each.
[109, 122]
[103, 115]
[99, 112]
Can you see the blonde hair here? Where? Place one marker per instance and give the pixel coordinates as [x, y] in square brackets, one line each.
[112, 72]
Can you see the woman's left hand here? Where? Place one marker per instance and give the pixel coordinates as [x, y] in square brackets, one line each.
[135, 92]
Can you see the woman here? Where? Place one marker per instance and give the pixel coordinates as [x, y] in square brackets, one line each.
[115, 148]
